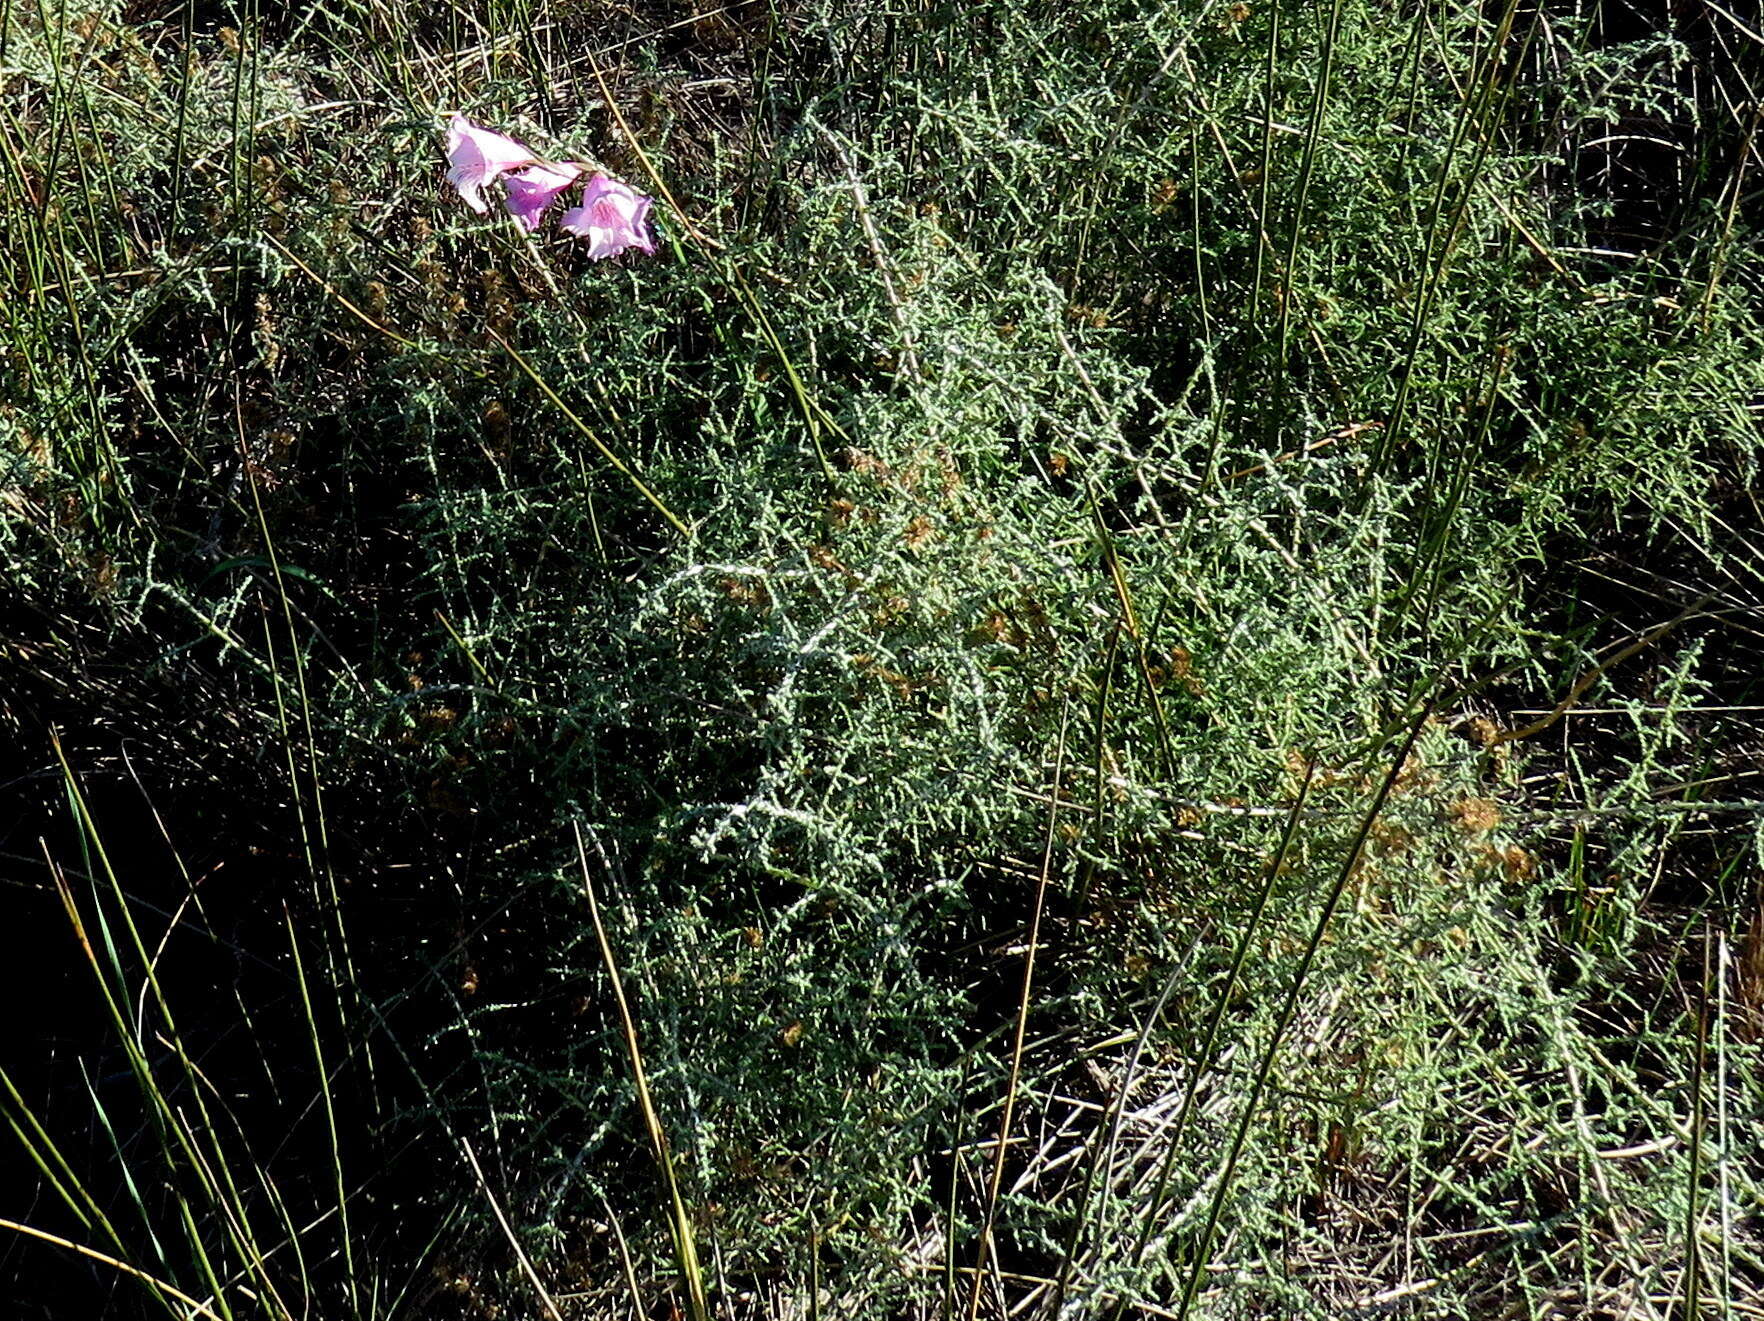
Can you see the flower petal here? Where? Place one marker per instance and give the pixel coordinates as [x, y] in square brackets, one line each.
[476, 156]
[613, 217]
[533, 190]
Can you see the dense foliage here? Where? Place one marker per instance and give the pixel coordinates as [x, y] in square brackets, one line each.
[1179, 579]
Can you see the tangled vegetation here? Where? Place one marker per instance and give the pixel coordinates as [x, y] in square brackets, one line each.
[1123, 681]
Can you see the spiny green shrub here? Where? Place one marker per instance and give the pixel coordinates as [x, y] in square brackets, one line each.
[1090, 430]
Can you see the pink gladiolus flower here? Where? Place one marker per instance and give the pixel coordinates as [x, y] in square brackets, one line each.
[613, 216]
[533, 190]
[476, 156]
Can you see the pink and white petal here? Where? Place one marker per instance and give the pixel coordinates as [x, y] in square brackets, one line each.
[476, 156]
[586, 223]
[611, 217]
[532, 191]
[496, 152]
